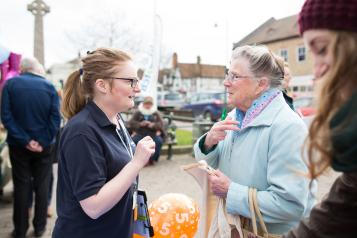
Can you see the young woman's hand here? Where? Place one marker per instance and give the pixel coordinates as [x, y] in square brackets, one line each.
[144, 149]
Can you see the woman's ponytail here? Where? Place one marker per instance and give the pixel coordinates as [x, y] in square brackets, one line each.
[73, 96]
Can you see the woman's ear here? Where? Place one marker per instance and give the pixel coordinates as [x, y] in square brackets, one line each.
[263, 84]
[101, 86]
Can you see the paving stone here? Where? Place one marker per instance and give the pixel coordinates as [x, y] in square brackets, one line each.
[163, 177]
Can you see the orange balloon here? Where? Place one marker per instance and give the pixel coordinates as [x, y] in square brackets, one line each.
[174, 215]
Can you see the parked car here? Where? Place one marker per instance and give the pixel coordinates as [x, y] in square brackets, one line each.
[167, 100]
[207, 104]
[305, 106]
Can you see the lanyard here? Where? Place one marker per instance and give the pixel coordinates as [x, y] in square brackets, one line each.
[126, 142]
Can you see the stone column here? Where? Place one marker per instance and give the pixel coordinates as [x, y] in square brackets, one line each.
[39, 9]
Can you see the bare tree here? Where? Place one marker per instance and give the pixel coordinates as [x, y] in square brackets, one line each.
[108, 30]
[115, 30]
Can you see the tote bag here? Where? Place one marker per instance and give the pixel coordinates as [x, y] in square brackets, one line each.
[225, 225]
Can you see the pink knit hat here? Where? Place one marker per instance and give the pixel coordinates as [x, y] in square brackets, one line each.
[328, 14]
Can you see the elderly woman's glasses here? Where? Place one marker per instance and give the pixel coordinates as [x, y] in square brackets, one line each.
[133, 81]
[231, 77]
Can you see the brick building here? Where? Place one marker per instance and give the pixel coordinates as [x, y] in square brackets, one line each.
[282, 37]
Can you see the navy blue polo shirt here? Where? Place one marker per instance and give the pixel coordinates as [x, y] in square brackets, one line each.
[91, 154]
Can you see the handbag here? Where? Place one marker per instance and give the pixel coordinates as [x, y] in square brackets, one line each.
[249, 228]
[142, 225]
[225, 225]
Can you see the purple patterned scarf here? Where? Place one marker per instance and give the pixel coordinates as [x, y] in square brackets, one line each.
[256, 108]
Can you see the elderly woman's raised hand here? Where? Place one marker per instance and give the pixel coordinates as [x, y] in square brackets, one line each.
[218, 131]
[144, 149]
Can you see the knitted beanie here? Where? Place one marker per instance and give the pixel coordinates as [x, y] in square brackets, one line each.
[328, 14]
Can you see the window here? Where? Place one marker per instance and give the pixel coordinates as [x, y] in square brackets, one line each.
[303, 89]
[301, 53]
[172, 96]
[295, 88]
[284, 54]
[194, 98]
[303, 102]
[219, 96]
[204, 97]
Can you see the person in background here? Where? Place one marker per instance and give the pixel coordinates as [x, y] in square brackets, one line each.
[30, 113]
[286, 82]
[146, 121]
[329, 29]
[259, 144]
[98, 163]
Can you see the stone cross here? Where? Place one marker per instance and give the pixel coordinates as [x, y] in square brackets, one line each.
[38, 8]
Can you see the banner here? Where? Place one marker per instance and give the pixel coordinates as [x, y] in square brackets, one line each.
[148, 83]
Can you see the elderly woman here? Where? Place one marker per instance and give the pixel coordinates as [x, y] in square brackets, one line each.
[259, 144]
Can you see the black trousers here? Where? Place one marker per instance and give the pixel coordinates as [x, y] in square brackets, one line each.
[27, 165]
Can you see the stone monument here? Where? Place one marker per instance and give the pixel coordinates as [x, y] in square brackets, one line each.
[39, 9]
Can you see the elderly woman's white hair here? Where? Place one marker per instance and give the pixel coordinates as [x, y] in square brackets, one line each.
[262, 62]
[32, 65]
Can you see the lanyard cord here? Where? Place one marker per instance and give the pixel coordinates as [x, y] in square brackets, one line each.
[128, 148]
[125, 138]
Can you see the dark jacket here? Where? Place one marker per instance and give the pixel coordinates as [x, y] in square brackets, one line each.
[30, 110]
[336, 216]
[134, 124]
[289, 100]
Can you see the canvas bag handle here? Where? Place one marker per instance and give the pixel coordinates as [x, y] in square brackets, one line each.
[254, 210]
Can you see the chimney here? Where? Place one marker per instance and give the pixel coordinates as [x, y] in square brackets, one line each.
[198, 59]
[174, 61]
[198, 67]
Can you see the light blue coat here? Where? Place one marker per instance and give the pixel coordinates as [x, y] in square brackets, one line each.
[266, 155]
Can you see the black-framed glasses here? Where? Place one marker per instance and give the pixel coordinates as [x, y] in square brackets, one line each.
[134, 82]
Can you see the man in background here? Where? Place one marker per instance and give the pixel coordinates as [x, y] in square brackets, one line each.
[30, 113]
[146, 121]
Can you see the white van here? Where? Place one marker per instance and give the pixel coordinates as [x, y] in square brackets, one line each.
[167, 99]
